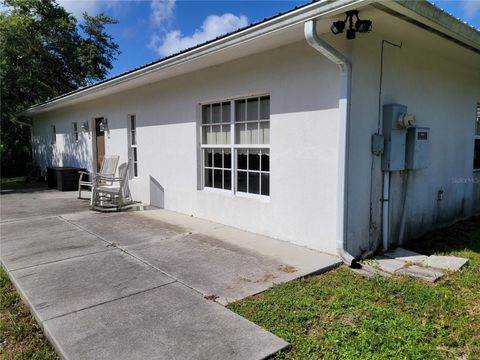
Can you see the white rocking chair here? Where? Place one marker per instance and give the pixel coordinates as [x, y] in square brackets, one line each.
[111, 194]
[107, 169]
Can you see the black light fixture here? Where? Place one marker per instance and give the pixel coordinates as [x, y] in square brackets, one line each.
[361, 26]
[338, 27]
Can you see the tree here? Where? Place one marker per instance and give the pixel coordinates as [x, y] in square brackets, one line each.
[44, 52]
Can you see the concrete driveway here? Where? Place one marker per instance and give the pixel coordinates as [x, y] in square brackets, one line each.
[142, 284]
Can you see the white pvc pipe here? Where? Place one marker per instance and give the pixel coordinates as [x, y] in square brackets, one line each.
[386, 210]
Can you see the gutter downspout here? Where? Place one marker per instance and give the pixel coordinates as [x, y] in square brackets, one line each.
[343, 144]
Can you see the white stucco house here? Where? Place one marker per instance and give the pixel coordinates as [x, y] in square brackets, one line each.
[286, 129]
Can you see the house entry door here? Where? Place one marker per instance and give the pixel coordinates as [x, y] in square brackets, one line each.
[99, 141]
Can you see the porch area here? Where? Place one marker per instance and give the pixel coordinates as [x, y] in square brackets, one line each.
[142, 284]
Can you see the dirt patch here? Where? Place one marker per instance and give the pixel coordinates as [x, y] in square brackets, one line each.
[287, 269]
[265, 278]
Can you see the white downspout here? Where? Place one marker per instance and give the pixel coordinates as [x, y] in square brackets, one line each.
[343, 144]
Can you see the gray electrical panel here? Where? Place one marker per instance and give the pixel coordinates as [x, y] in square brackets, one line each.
[418, 139]
[393, 158]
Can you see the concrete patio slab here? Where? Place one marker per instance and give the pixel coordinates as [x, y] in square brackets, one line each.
[39, 203]
[213, 267]
[170, 322]
[70, 285]
[133, 284]
[407, 256]
[305, 261]
[40, 241]
[212, 258]
[125, 228]
[387, 264]
[450, 263]
[422, 273]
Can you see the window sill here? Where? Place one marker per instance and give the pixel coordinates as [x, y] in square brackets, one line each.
[230, 193]
[263, 198]
[218, 191]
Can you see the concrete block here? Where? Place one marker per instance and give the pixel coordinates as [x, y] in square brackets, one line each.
[422, 273]
[450, 263]
[387, 264]
[171, 322]
[62, 287]
[370, 271]
[405, 255]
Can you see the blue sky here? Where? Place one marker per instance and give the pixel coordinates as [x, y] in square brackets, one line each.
[151, 29]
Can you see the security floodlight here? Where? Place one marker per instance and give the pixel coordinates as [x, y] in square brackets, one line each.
[351, 34]
[361, 26]
[338, 27]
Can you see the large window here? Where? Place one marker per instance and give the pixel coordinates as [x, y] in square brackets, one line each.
[132, 145]
[476, 154]
[236, 145]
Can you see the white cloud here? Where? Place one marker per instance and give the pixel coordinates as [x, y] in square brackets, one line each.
[77, 7]
[212, 27]
[92, 7]
[162, 11]
[471, 8]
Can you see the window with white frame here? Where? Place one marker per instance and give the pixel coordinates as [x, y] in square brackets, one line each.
[476, 154]
[236, 145]
[75, 131]
[54, 135]
[132, 143]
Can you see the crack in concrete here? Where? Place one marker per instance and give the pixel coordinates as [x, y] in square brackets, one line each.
[130, 254]
[109, 301]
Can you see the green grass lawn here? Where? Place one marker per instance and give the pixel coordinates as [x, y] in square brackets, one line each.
[342, 315]
[20, 336]
[19, 183]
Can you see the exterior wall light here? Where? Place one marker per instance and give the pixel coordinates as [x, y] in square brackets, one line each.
[338, 27]
[361, 26]
[103, 126]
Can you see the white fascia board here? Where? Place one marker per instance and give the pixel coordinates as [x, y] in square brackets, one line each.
[312, 11]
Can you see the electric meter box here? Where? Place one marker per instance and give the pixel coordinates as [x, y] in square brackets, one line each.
[393, 158]
[418, 140]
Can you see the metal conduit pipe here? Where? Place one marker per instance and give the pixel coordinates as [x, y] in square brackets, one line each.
[312, 38]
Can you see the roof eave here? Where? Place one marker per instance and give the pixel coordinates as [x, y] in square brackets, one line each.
[437, 20]
[421, 12]
[311, 11]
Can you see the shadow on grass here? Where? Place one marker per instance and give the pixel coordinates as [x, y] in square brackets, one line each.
[20, 185]
[464, 235]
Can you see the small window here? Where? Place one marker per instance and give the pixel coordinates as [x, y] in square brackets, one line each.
[218, 168]
[54, 135]
[248, 147]
[476, 153]
[253, 171]
[75, 131]
[132, 145]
